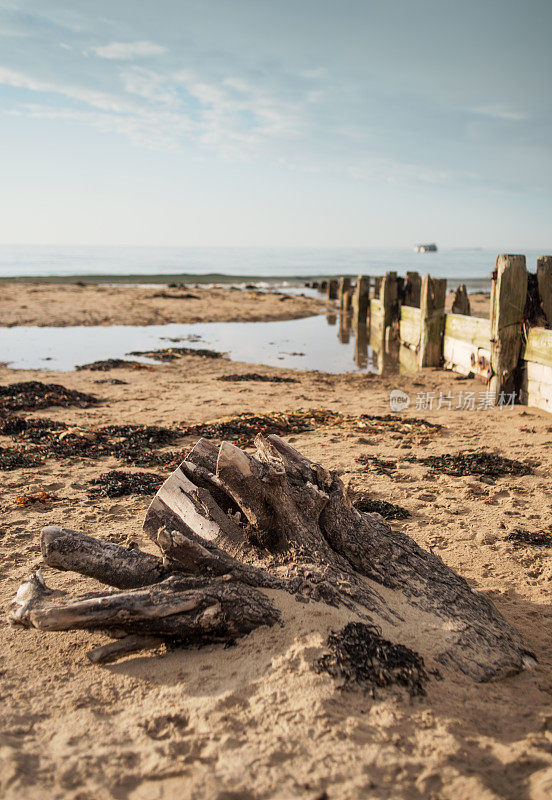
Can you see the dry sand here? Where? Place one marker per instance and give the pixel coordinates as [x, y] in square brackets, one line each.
[255, 721]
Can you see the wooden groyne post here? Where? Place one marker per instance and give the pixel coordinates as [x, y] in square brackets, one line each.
[332, 289]
[461, 302]
[344, 293]
[361, 299]
[412, 289]
[389, 298]
[432, 320]
[544, 280]
[508, 295]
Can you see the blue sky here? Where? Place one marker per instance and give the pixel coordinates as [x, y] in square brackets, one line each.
[245, 122]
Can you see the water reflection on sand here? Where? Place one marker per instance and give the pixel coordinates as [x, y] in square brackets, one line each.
[327, 343]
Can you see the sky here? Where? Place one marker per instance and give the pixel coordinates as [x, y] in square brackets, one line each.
[310, 123]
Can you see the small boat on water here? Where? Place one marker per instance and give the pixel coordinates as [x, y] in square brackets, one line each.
[425, 248]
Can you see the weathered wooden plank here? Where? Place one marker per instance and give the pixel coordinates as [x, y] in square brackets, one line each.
[408, 360]
[409, 326]
[536, 393]
[538, 372]
[536, 385]
[409, 334]
[538, 347]
[376, 307]
[465, 358]
[474, 330]
[410, 314]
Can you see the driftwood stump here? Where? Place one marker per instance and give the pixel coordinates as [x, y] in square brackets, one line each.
[230, 526]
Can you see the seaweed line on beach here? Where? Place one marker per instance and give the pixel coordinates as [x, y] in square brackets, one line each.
[255, 376]
[135, 444]
[243, 428]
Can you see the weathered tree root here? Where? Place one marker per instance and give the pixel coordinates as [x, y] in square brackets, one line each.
[230, 526]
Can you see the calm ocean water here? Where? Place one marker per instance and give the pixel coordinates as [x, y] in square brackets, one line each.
[228, 264]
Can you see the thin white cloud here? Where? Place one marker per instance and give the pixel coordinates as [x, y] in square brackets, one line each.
[127, 51]
[499, 112]
[313, 74]
[232, 116]
[92, 97]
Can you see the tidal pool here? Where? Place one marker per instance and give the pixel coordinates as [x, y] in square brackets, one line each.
[324, 343]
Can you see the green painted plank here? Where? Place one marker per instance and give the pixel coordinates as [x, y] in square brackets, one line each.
[473, 330]
[409, 333]
[411, 315]
[375, 306]
[538, 347]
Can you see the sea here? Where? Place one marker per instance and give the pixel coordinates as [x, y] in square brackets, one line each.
[278, 265]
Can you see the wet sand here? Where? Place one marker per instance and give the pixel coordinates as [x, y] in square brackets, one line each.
[256, 720]
[98, 304]
[73, 304]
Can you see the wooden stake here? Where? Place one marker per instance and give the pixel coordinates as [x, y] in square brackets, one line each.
[544, 279]
[360, 299]
[343, 289]
[508, 295]
[332, 289]
[461, 302]
[432, 307]
[412, 289]
[389, 299]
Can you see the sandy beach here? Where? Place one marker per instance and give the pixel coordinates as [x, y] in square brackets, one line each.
[80, 303]
[256, 721]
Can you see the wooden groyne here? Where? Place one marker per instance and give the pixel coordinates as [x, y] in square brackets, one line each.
[404, 321]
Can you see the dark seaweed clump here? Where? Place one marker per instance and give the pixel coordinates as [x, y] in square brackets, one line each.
[15, 458]
[133, 444]
[120, 484]
[383, 507]
[360, 656]
[486, 464]
[380, 465]
[392, 422]
[30, 429]
[255, 376]
[35, 394]
[172, 353]
[521, 537]
[168, 296]
[113, 382]
[113, 363]
[243, 428]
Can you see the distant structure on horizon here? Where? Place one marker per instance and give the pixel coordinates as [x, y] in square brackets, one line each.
[425, 248]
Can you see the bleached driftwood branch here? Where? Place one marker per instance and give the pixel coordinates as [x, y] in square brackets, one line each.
[230, 526]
